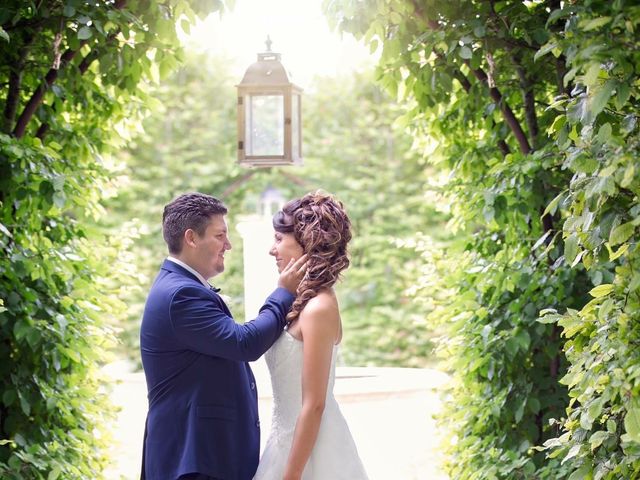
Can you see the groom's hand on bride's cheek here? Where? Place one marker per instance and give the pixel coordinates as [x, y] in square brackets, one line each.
[293, 273]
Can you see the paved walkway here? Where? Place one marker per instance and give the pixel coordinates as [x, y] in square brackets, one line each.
[389, 411]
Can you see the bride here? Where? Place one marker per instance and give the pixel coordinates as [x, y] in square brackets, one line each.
[310, 439]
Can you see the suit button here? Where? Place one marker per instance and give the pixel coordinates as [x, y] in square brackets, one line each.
[258, 423]
[253, 385]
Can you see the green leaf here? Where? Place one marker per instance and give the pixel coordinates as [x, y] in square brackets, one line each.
[573, 451]
[373, 46]
[54, 473]
[623, 92]
[511, 346]
[552, 318]
[594, 23]
[9, 397]
[598, 100]
[465, 52]
[583, 473]
[571, 248]
[621, 233]
[618, 253]
[576, 111]
[604, 133]
[4, 35]
[544, 50]
[628, 176]
[185, 25]
[541, 240]
[557, 14]
[553, 204]
[5, 230]
[19, 439]
[85, 33]
[534, 404]
[591, 77]
[395, 18]
[524, 340]
[597, 438]
[21, 328]
[480, 31]
[59, 199]
[601, 290]
[25, 406]
[58, 182]
[520, 411]
[632, 424]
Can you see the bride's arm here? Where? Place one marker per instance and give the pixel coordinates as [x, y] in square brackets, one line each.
[319, 324]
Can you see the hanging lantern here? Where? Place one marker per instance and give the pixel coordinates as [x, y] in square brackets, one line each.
[269, 114]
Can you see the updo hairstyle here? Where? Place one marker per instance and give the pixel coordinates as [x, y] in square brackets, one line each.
[321, 226]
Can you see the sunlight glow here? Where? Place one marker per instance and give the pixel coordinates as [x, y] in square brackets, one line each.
[298, 29]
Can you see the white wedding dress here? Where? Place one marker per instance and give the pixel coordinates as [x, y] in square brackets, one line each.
[334, 454]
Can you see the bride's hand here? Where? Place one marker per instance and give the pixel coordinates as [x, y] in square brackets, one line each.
[293, 273]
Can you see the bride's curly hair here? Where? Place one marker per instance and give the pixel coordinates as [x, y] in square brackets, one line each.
[321, 226]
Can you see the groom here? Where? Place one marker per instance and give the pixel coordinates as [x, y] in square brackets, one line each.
[203, 413]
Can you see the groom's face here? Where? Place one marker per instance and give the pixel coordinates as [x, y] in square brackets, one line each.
[211, 246]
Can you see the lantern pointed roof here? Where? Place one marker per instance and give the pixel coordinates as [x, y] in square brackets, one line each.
[267, 71]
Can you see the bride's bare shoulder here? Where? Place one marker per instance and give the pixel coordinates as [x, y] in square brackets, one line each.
[320, 317]
[323, 304]
[324, 301]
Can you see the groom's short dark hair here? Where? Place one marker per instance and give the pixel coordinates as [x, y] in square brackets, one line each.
[188, 211]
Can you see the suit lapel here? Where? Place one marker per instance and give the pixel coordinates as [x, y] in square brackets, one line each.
[175, 268]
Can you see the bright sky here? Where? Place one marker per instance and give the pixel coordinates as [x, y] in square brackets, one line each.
[298, 30]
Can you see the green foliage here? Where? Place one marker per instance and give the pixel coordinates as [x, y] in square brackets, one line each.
[532, 109]
[55, 319]
[70, 72]
[599, 143]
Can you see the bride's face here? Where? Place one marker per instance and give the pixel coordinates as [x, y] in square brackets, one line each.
[285, 247]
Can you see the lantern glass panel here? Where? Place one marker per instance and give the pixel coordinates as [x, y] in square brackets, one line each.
[295, 126]
[265, 125]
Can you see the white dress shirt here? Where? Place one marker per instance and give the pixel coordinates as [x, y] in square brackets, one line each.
[187, 267]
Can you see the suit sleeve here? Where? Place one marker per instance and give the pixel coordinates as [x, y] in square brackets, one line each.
[201, 324]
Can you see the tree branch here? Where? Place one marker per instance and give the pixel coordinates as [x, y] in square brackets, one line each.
[507, 113]
[301, 182]
[13, 96]
[462, 79]
[237, 183]
[561, 71]
[529, 103]
[466, 84]
[83, 67]
[37, 97]
[51, 76]
[15, 84]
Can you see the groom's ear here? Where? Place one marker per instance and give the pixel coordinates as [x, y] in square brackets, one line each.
[189, 238]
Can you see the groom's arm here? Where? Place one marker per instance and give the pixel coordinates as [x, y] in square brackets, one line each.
[201, 324]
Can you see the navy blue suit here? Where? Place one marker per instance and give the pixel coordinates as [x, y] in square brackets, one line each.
[203, 403]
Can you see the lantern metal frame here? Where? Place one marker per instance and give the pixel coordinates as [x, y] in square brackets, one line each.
[268, 78]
